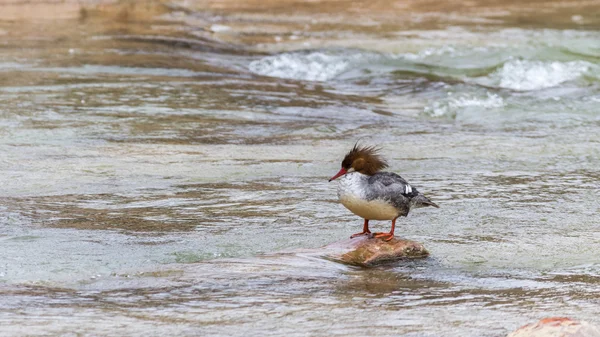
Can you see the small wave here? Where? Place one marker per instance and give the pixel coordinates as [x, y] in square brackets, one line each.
[526, 75]
[429, 52]
[308, 66]
[487, 66]
[11, 66]
[451, 106]
[88, 69]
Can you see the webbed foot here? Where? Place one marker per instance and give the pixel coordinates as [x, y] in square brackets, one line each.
[384, 236]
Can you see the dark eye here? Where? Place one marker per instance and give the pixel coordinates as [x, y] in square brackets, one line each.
[346, 164]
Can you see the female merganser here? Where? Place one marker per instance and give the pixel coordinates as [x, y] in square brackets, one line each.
[375, 195]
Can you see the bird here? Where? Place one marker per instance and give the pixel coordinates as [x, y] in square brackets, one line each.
[372, 194]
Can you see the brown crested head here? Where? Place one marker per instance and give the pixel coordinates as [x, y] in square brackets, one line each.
[364, 159]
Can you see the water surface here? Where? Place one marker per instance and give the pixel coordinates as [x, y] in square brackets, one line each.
[152, 170]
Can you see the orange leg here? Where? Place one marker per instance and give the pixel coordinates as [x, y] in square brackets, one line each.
[387, 236]
[365, 230]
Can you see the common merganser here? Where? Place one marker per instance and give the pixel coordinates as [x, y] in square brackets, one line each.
[372, 194]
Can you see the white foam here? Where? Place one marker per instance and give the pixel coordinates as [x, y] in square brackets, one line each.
[453, 104]
[219, 28]
[10, 66]
[526, 75]
[311, 66]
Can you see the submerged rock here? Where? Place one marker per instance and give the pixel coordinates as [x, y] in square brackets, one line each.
[367, 251]
[557, 327]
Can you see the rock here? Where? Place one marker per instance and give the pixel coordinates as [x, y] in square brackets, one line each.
[367, 251]
[557, 327]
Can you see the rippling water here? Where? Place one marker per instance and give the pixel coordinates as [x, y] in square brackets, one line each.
[151, 171]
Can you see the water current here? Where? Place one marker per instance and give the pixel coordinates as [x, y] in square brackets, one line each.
[162, 176]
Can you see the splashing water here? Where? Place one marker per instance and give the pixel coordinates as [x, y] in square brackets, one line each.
[452, 105]
[525, 75]
[308, 66]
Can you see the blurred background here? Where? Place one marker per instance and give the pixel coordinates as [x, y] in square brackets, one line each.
[156, 157]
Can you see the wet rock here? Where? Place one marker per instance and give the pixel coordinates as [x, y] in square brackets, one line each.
[557, 327]
[367, 251]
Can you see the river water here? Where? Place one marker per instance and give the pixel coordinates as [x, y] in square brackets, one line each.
[166, 176]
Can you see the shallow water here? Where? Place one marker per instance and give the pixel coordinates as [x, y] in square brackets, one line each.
[151, 171]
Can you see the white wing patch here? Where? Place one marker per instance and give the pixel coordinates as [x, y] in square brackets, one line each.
[407, 189]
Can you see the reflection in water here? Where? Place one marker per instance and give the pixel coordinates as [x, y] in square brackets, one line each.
[150, 163]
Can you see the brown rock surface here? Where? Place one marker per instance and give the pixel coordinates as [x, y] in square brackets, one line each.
[368, 252]
[557, 327]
